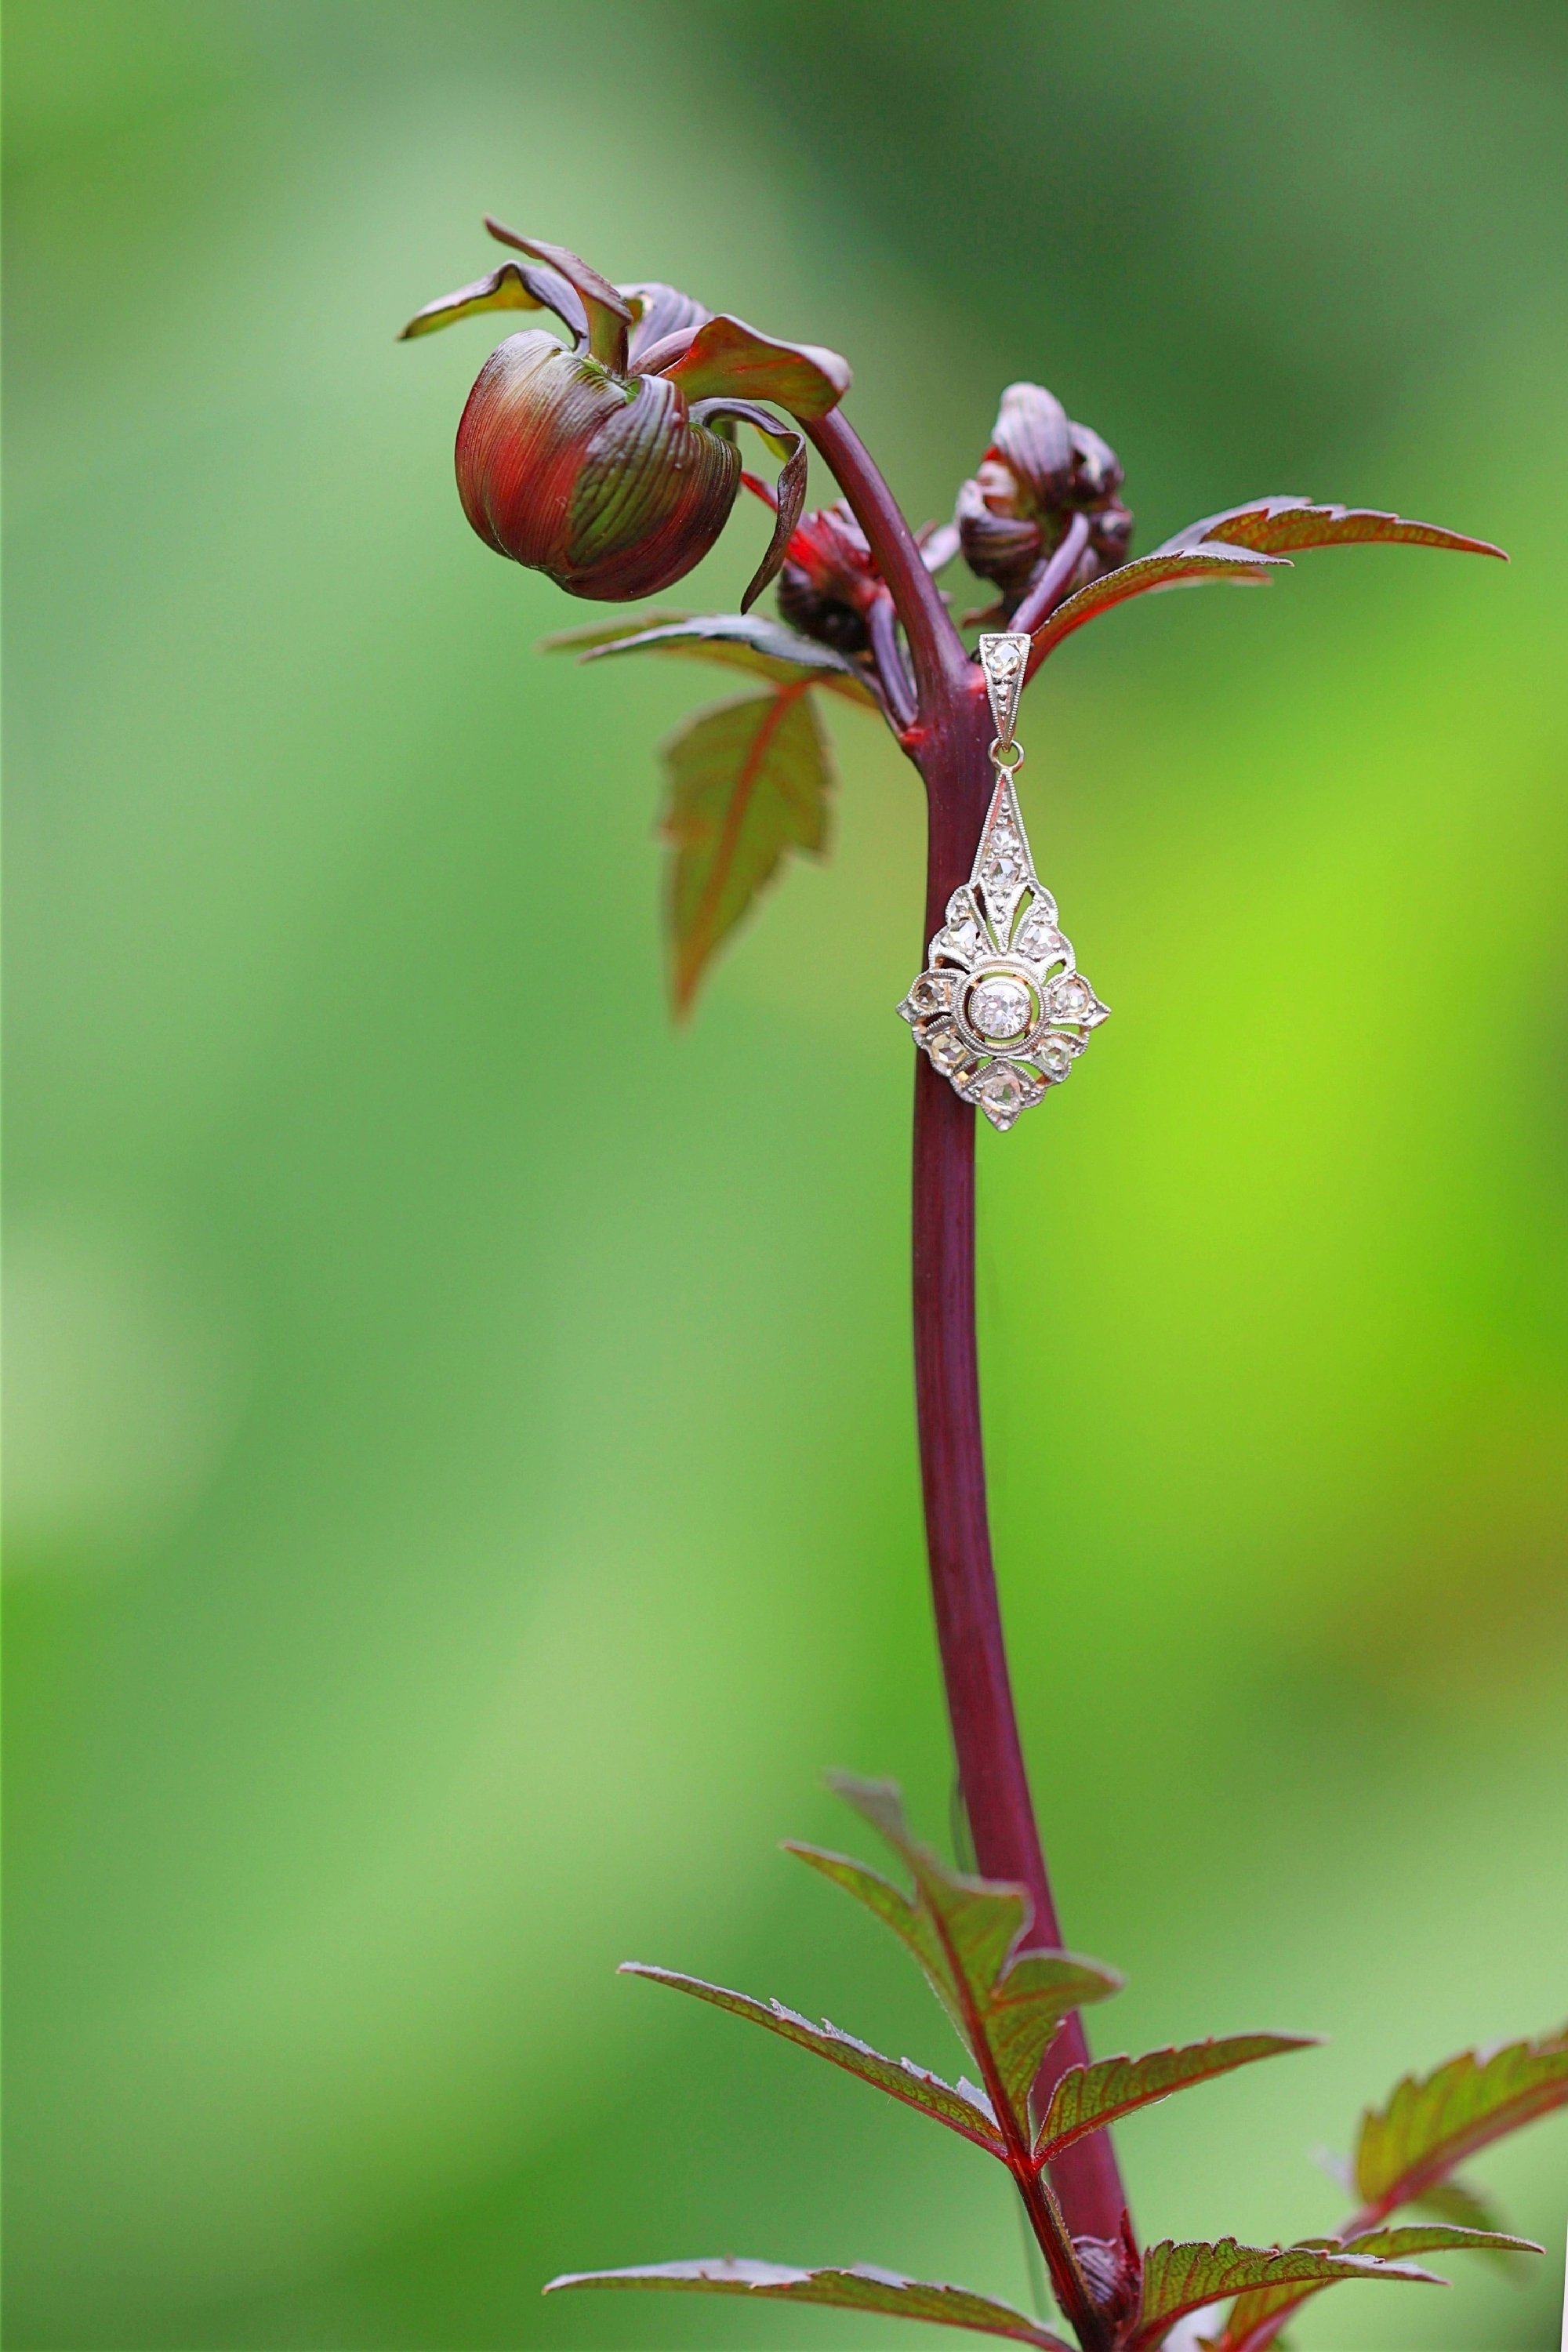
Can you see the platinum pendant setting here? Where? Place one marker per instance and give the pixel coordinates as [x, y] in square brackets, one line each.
[1002, 1009]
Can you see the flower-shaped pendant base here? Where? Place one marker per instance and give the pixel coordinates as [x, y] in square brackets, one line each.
[1001, 1008]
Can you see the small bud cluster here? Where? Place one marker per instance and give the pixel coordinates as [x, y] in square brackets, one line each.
[1040, 470]
[828, 580]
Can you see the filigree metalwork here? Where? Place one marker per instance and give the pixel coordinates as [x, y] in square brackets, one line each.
[1002, 1009]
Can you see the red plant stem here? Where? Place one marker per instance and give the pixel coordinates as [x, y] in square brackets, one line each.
[1051, 586]
[948, 743]
[936, 649]
[991, 1767]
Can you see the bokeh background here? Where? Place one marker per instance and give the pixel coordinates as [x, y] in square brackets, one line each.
[461, 1477]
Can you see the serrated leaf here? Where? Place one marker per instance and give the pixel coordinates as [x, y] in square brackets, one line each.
[1437, 2238]
[1086, 2098]
[1245, 543]
[1461, 2202]
[1183, 2278]
[963, 2109]
[968, 1935]
[743, 641]
[728, 359]
[1173, 570]
[1433, 2122]
[748, 782]
[1275, 525]
[1254, 2319]
[858, 2288]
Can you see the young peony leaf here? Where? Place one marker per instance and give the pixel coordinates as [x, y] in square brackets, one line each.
[608, 313]
[1433, 2122]
[967, 1935]
[719, 415]
[1256, 2318]
[1244, 544]
[1178, 2279]
[1277, 525]
[747, 783]
[1086, 2098]
[1461, 2203]
[727, 359]
[512, 287]
[1175, 569]
[744, 641]
[964, 2109]
[860, 2288]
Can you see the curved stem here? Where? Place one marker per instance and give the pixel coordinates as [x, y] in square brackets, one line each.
[949, 745]
[990, 1753]
[1048, 591]
[936, 649]
[893, 674]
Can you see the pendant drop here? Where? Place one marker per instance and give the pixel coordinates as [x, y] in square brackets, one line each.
[1002, 1009]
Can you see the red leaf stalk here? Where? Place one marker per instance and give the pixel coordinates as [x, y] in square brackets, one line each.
[948, 741]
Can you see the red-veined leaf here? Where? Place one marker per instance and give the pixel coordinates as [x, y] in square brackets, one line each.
[1433, 2122]
[1173, 570]
[1086, 2098]
[1256, 2318]
[963, 2108]
[744, 641]
[748, 783]
[1460, 2202]
[1183, 2278]
[1259, 533]
[968, 1935]
[860, 2288]
[609, 315]
[1275, 526]
[725, 358]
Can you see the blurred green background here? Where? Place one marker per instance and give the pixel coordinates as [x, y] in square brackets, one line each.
[462, 1486]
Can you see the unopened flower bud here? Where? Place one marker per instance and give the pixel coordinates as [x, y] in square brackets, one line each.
[612, 465]
[1039, 471]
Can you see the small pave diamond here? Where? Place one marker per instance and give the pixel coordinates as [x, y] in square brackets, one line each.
[1000, 1008]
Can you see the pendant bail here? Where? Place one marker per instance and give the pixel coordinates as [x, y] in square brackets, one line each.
[1005, 658]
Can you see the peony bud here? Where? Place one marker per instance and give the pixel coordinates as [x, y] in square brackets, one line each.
[612, 465]
[1040, 469]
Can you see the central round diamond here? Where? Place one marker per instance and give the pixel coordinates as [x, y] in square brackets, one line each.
[1000, 1008]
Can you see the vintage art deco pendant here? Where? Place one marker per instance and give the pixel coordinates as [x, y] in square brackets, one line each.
[1002, 1009]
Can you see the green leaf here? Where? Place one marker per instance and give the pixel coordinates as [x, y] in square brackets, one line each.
[746, 641]
[860, 2288]
[608, 314]
[1086, 2098]
[748, 782]
[727, 357]
[1461, 2202]
[1274, 525]
[1433, 2122]
[967, 1935]
[1182, 2278]
[1437, 2238]
[1256, 2318]
[962, 2107]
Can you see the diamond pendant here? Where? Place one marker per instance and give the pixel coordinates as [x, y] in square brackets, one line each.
[1001, 1009]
